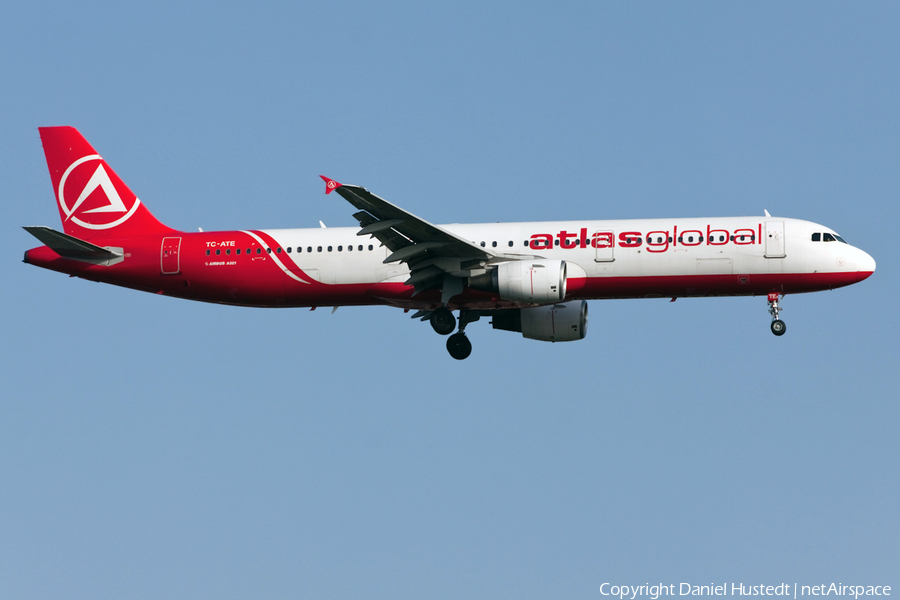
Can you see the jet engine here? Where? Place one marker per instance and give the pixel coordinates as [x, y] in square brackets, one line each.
[527, 281]
[564, 322]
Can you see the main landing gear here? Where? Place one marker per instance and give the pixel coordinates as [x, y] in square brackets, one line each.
[443, 322]
[778, 326]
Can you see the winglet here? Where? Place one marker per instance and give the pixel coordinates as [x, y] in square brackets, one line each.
[330, 184]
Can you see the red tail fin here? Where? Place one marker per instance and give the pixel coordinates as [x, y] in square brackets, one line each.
[93, 202]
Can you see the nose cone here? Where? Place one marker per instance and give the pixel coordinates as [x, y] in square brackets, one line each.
[865, 263]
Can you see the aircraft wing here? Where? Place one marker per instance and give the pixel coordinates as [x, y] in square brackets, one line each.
[431, 252]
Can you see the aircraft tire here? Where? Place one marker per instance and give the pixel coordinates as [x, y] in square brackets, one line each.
[443, 321]
[459, 346]
[778, 327]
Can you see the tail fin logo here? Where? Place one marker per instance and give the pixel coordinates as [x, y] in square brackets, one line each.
[92, 210]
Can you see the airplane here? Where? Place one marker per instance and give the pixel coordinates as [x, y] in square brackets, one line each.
[530, 278]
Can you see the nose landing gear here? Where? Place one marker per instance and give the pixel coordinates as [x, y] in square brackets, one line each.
[778, 326]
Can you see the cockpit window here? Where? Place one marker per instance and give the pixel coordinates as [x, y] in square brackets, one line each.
[817, 237]
[827, 237]
[840, 239]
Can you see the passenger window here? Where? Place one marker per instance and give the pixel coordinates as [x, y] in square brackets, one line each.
[557, 242]
[525, 243]
[320, 248]
[207, 252]
[340, 248]
[289, 249]
[269, 250]
[510, 243]
[494, 244]
[228, 252]
[827, 237]
[218, 252]
[309, 249]
[371, 247]
[278, 250]
[482, 244]
[349, 248]
[359, 247]
[259, 250]
[330, 248]
[238, 251]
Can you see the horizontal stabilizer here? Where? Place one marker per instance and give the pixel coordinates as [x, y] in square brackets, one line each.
[71, 247]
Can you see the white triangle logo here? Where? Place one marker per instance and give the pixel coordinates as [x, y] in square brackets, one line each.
[100, 179]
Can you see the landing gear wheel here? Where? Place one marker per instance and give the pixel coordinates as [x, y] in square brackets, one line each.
[459, 346]
[778, 327]
[443, 321]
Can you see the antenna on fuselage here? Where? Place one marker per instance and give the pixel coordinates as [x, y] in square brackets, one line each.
[764, 210]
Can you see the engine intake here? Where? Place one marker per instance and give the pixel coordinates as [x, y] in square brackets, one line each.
[564, 322]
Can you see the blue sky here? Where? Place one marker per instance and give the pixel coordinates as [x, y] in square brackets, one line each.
[152, 447]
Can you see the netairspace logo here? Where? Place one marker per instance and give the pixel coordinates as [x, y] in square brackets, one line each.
[654, 592]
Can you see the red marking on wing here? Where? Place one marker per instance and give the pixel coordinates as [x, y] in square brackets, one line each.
[330, 184]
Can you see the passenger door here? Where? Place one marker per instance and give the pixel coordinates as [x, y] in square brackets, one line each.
[170, 263]
[775, 239]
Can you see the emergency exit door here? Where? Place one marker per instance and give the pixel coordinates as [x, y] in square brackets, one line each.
[604, 242]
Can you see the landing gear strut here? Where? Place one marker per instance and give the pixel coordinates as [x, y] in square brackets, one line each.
[778, 326]
[458, 345]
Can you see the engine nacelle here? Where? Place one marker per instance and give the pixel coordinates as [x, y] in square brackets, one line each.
[527, 281]
[564, 322]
